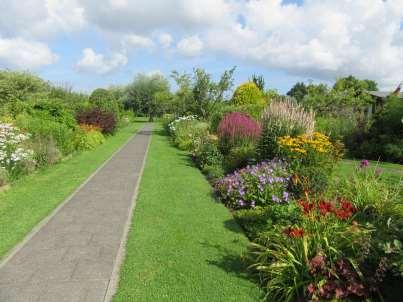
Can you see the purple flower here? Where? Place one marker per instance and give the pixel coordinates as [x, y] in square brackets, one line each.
[275, 198]
[285, 196]
[241, 203]
[364, 163]
[253, 204]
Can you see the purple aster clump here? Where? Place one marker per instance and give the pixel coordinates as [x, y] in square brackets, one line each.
[257, 185]
[364, 163]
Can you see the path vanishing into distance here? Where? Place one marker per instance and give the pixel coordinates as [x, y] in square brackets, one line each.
[76, 253]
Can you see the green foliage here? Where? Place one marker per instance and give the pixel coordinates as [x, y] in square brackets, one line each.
[141, 95]
[88, 140]
[298, 91]
[259, 81]
[384, 138]
[45, 151]
[336, 127]
[240, 156]
[39, 126]
[189, 134]
[199, 94]
[3, 177]
[20, 86]
[248, 94]
[106, 101]
[208, 155]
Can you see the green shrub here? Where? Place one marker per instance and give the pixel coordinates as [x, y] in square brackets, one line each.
[248, 94]
[312, 160]
[257, 221]
[240, 156]
[45, 151]
[337, 128]
[213, 172]
[283, 117]
[88, 140]
[105, 100]
[188, 133]
[208, 155]
[42, 127]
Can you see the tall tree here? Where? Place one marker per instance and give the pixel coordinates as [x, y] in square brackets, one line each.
[140, 94]
[298, 91]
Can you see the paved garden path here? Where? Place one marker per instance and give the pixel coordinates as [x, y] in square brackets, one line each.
[75, 255]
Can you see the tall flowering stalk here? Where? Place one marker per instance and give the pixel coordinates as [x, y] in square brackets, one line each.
[237, 128]
[256, 185]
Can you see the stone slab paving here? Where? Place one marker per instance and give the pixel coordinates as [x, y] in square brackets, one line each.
[72, 257]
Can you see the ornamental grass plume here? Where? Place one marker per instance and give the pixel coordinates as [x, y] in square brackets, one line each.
[289, 116]
[236, 126]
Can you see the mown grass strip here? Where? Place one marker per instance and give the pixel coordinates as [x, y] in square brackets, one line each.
[183, 245]
[33, 197]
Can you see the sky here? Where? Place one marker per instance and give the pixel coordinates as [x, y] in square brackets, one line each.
[97, 43]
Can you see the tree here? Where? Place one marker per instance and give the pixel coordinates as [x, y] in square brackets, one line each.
[140, 94]
[105, 100]
[259, 81]
[248, 94]
[298, 91]
[198, 93]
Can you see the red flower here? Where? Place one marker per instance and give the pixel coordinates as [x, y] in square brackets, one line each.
[346, 210]
[306, 206]
[294, 232]
[325, 207]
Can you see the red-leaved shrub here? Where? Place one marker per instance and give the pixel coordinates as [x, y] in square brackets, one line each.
[104, 120]
[237, 128]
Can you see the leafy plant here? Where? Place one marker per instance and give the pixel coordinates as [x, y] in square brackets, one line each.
[311, 158]
[283, 117]
[106, 121]
[237, 129]
[248, 94]
[258, 185]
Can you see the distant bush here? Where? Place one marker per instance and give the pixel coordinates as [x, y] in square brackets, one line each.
[283, 117]
[106, 121]
[237, 129]
[105, 100]
[337, 128]
[88, 137]
[248, 94]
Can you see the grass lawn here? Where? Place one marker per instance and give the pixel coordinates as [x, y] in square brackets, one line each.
[32, 198]
[393, 173]
[183, 245]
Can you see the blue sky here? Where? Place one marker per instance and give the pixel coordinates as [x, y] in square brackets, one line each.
[92, 43]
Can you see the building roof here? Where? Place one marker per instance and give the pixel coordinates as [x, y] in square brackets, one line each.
[383, 94]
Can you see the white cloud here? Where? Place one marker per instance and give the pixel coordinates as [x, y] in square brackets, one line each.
[321, 38]
[165, 40]
[23, 54]
[137, 41]
[40, 18]
[190, 46]
[93, 62]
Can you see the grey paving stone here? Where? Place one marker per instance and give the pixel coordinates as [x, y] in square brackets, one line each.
[72, 257]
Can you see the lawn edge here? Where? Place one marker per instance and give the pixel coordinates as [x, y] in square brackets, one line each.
[113, 283]
[10, 254]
